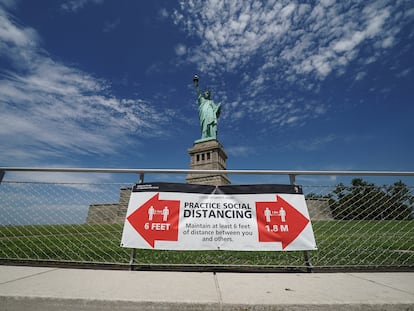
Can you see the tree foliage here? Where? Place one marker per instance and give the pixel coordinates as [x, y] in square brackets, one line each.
[366, 201]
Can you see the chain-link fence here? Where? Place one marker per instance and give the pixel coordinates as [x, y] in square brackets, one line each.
[356, 226]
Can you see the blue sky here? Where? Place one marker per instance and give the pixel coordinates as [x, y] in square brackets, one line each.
[304, 85]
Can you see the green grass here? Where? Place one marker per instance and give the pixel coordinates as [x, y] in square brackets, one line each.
[364, 243]
[340, 243]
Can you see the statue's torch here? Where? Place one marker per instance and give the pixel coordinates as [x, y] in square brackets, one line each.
[195, 80]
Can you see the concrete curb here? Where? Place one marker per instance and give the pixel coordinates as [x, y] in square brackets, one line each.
[45, 304]
[35, 288]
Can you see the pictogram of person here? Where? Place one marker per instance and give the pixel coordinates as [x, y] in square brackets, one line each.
[165, 213]
[151, 212]
[267, 214]
[282, 214]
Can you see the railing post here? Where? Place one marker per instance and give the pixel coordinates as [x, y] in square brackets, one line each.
[306, 254]
[132, 259]
[141, 178]
[1, 176]
[134, 251]
[308, 261]
[292, 179]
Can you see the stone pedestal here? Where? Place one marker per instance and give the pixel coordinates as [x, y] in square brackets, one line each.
[208, 155]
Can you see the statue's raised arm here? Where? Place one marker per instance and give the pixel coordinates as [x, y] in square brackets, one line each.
[195, 81]
[208, 113]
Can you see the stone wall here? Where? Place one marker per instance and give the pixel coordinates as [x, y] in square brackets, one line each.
[110, 213]
[319, 209]
[115, 213]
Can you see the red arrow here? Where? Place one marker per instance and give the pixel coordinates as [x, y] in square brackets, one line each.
[156, 220]
[279, 221]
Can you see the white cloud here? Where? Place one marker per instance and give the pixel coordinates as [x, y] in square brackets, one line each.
[239, 151]
[311, 38]
[163, 13]
[285, 43]
[360, 75]
[57, 177]
[49, 108]
[11, 35]
[404, 73]
[112, 25]
[9, 3]
[314, 144]
[75, 5]
[180, 49]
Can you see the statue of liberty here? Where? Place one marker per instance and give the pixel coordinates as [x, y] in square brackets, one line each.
[208, 113]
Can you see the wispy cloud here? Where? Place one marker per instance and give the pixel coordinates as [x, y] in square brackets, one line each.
[50, 108]
[163, 13]
[323, 142]
[180, 49]
[111, 25]
[284, 43]
[75, 5]
[240, 151]
[314, 39]
[314, 144]
[8, 3]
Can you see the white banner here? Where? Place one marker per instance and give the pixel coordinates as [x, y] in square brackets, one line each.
[193, 217]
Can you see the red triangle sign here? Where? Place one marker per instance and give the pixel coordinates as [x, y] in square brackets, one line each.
[279, 221]
[156, 220]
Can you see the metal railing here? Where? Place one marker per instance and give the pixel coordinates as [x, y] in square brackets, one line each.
[357, 226]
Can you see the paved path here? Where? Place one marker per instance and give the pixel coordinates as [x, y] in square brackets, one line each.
[36, 288]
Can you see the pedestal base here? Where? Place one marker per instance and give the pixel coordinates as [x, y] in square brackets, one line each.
[208, 155]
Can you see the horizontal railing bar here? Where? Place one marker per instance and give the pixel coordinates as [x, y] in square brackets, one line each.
[219, 172]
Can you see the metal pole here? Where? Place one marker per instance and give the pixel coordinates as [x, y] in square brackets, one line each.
[306, 254]
[188, 171]
[141, 178]
[134, 251]
[308, 261]
[292, 179]
[132, 259]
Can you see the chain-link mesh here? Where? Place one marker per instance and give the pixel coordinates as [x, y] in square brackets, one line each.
[355, 226]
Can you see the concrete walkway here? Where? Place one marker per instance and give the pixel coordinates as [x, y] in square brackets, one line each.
[36, 288]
